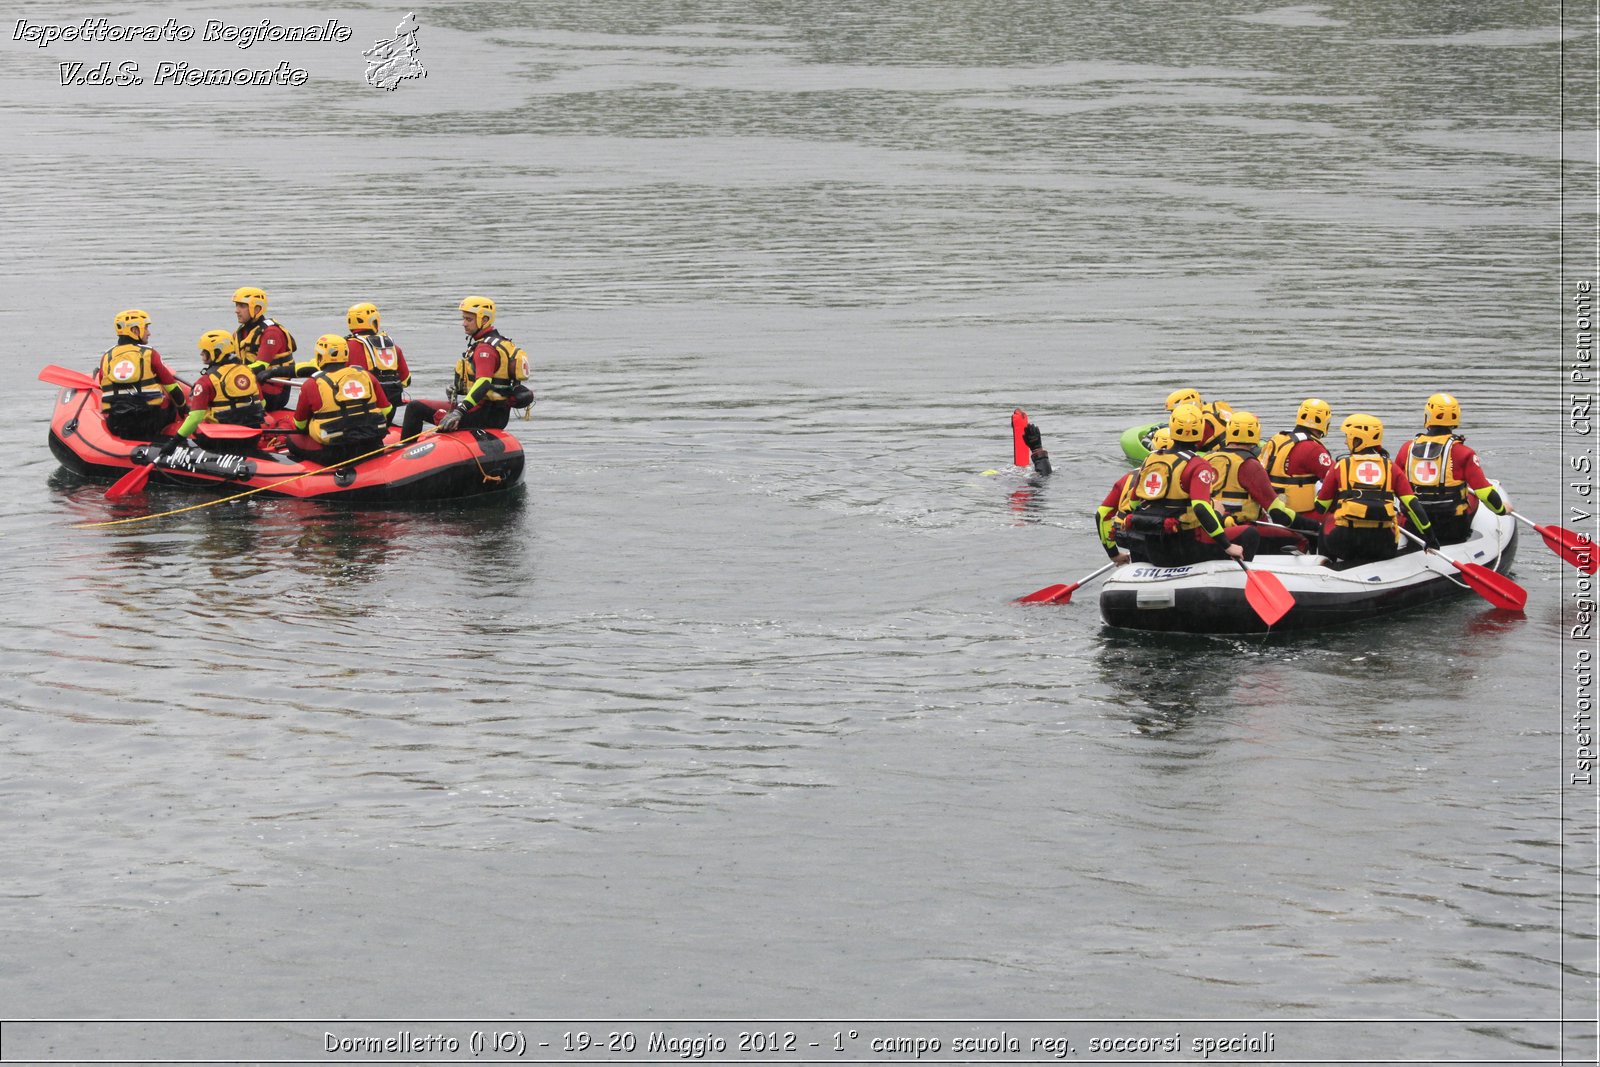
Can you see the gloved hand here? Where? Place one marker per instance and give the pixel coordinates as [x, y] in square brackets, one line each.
[1030, 436]
[1431, 538]
[451, 420]
[1281, 514]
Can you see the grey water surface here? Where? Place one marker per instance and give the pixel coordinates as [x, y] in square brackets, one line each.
[726, 714]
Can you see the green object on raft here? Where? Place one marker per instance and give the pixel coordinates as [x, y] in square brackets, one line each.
[1136, 441]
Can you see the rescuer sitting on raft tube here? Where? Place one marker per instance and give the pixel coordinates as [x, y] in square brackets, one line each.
[1296, 461]
[138, 394]
[1172, 521]
[1113, 510]
[264, 345]
[488, 382]
[1358, 496]
[374, 350]
[1445, 474]
[342, 409]
[1243, 494]
[225, 392]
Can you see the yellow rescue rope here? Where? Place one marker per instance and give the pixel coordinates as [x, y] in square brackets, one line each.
[257, 489]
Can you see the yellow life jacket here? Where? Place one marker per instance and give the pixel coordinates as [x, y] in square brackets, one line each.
[1432, 475]
[1366, 496]
[235, 395]
[1157, 488]
[1110, 520]
[383, 359]
[1299, 490]
[128, 378]
[1234, 502]
[1125, 498]
[248, 337]
[509, 372]
[347, 406]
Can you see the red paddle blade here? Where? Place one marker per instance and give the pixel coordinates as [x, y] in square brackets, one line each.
[1021, 454]
[1040, 596]
[223, 431]
[1267, 597]
[1576, 548]
[130, 483]
[1494, 587]
[67, 379]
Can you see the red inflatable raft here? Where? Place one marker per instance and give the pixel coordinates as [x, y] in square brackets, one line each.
[437, 466]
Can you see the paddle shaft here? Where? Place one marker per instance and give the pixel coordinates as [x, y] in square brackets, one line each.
[1065, 596]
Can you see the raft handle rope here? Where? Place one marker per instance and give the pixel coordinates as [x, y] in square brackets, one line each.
[1340, 576]
[485, 475]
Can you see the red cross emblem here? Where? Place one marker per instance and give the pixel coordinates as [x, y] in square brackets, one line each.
[1425, 471]
[353, 389]
[1153, 483]
[1369, 473]
[123, 370]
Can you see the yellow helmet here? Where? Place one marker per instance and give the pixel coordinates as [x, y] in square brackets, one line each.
[1314, 414]
[1162, 438]
[1243, 429]
[253, 299]
[133, 323]
[1362, 432]
[481, 308]
[1183, 396]
[1188, 424]
[362, 317]
[1442, 410]
[331, 349]
[218, 346]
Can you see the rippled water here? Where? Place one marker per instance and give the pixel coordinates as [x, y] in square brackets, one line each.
[726, 712]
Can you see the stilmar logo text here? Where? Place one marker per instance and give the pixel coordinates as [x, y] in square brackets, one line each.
[99, 29]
